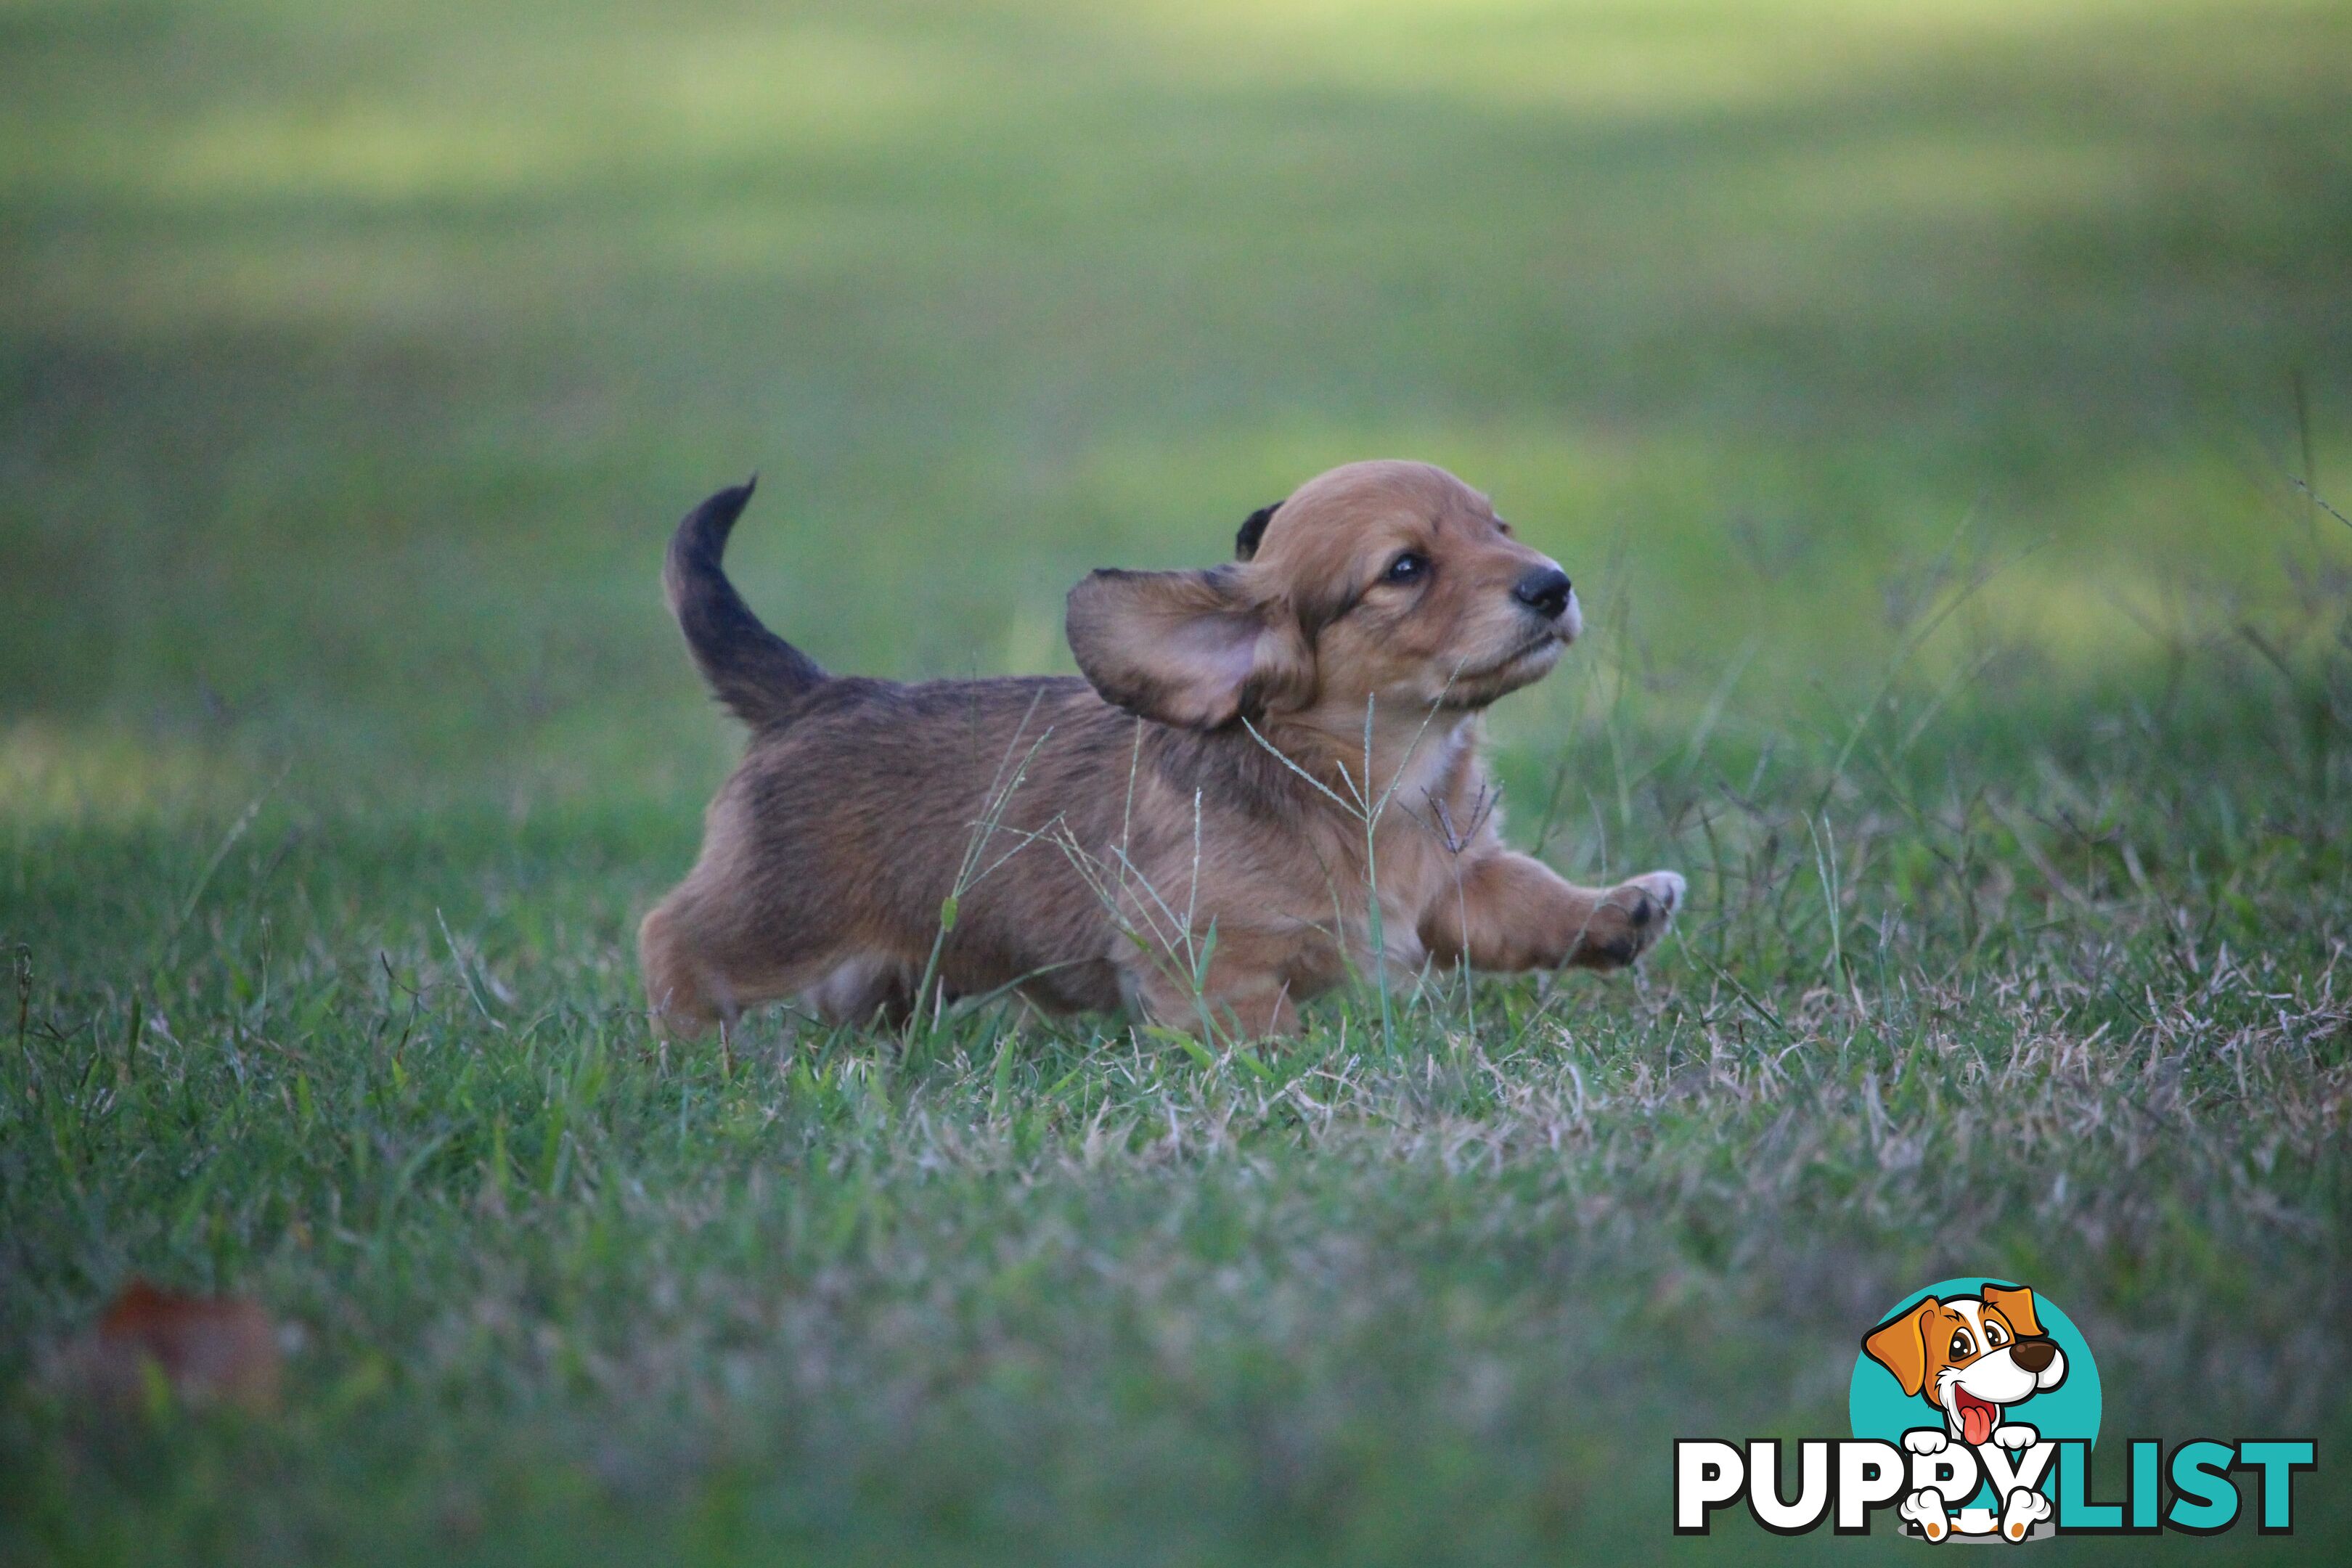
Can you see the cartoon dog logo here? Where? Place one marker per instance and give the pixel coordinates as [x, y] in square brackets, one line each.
[1972, 1358]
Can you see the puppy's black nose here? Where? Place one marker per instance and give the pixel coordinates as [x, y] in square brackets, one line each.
[2033, 1354]
[1545, 592]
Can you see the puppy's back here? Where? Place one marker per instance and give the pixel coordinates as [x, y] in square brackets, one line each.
[848, 830]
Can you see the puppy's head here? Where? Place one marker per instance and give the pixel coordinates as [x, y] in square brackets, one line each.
[1385, 582]
[1971, 1356]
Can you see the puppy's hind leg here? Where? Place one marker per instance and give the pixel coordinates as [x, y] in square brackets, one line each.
[679, 992]
[707, 957]
[862, 987]
[1247, 1004]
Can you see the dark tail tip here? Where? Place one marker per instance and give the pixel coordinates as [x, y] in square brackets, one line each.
[750, 669]
[705, 531]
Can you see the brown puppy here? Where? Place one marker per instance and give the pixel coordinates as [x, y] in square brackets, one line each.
[1193, 830]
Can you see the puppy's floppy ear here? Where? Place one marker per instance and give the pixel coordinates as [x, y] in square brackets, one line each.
[1187, 649]
[1900, 1346]
[2016, 1304]
[1253, 532]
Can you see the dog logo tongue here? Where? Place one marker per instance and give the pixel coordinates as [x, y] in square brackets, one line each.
[1976, 1418]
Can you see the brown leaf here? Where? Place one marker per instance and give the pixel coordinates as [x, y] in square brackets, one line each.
[209, 1348]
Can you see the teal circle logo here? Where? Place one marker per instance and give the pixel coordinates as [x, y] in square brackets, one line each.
[1961, 1356]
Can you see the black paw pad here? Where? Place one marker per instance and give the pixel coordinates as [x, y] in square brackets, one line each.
[1617, 951]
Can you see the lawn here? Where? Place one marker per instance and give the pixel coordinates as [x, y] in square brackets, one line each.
[1939, 408]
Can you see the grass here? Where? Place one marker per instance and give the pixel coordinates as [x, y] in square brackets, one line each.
[1921, 402]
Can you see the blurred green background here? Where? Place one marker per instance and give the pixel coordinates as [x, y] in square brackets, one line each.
[355, 359]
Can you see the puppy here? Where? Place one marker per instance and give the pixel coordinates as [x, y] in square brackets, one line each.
[1268, 775]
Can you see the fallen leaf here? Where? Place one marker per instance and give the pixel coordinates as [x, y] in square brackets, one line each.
[208, 1349]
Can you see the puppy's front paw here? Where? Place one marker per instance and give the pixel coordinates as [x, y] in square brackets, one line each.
[1926, 1440]
[1631, 916]
[2016, 1435]
[1667, 887]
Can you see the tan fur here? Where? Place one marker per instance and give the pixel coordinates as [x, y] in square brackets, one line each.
[1101, 827]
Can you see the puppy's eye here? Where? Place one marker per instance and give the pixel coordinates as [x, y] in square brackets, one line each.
[1410, 567]
[1961, 1344]
[1994, 1337]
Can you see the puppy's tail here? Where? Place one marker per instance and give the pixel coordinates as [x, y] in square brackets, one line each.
[750, 670]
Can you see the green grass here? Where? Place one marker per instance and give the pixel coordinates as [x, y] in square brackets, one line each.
[1916, 394]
